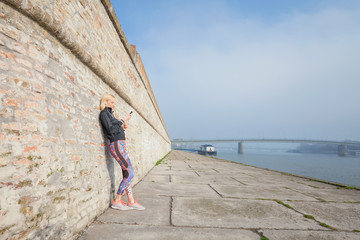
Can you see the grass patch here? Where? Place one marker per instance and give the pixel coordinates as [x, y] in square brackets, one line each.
[352, 188]
[309, 216]
[328, 226]
[158, 162]
[264, 238]
[284, 204]
[338, 185]
[356, 230]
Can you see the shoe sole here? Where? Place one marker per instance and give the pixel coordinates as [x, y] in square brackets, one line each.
[122, 209]
[139, 209]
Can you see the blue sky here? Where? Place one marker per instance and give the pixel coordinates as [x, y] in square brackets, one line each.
[250, 69]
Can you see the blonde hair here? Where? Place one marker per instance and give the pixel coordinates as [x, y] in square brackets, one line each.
[104, 99]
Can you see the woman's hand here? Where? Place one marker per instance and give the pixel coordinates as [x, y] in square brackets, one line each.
[127, 118]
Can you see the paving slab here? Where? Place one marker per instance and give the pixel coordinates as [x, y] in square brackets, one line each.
[214, 179]
[309, 235]
[296, 185]
[174, 189]
[188, 172]
[277, 180]
[178, 164]
[157, 213]
[313, 184]
[189, 196]
[245, 179]
[338, 195]
[259, 192]
[343, 216]
[134, 232]
[157, 178]
[234, 213]
[207, 172]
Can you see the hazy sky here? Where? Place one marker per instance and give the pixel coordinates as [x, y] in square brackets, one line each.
[250, 69]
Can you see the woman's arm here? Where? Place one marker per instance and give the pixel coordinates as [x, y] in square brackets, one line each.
[125, 119]
[106, 122]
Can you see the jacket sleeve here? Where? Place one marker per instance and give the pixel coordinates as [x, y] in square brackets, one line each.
[106, 123]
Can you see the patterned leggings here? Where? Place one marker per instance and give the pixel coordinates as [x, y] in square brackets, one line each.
[120, 152]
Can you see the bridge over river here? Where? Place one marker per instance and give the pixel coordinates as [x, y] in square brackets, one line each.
[342, 145]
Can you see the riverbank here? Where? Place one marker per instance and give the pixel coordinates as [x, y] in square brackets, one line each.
[338, 185]
[189, 196]
[325, 167]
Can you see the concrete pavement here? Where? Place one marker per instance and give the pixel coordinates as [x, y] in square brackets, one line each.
[189, 196]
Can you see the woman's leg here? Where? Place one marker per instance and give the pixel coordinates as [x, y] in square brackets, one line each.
[120, 153]
[130, 171]
[129, 194]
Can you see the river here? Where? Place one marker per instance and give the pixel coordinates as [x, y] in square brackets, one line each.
[275, 156]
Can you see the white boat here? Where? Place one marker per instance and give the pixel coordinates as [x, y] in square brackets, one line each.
[207, 150]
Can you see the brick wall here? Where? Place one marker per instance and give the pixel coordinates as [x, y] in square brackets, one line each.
[57, 59]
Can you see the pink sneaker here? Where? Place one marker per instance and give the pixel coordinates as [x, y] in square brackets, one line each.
[135, 205]
[119, 205]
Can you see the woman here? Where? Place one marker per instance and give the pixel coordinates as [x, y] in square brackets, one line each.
[114, 130]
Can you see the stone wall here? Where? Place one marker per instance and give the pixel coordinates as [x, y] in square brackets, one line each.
[57, 59]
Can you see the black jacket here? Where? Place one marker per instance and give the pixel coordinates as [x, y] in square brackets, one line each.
[112, 127]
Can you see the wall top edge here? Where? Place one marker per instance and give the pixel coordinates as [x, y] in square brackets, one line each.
[131, 51]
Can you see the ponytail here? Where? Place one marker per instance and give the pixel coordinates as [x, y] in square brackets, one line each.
[104, 99]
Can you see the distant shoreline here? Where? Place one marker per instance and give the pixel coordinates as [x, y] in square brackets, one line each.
[323, 149]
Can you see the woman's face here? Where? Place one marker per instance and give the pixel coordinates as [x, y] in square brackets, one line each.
[111, 103]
